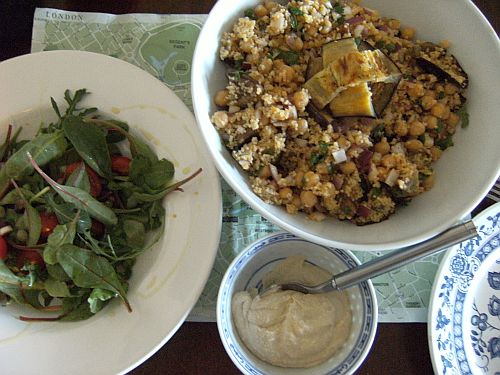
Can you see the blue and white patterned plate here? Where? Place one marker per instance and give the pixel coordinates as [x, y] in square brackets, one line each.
[464, 317]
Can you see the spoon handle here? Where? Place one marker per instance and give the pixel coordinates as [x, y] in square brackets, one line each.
[404, 256]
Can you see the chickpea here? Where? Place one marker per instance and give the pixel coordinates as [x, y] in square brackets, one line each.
[253, 58]
[453, 119]
[221, 98]
[299, 178]
[382, 147]
[407, 33]
[311, 179]
[348, 167]
[450, 89]
[343, 142]
[265, 66]
[436, 153]
[382, 173]
[294, 42]
[261, 11]
[292, 209]
[416, 128]
[286, 194]
[431, 122]
[296, 201]
[388, 161]
[265, 172]
[428, 183]
[308, 198]
[394, 24]
[302, 126]
[414, 145]
[317, 216]
[445, 43]
[321, 168]
[300, 100]
[220, 119]
[326, 27]
[246, 46]
[286, 74]
[427, 102]
[416, 90]
[401, 128]
[270, 5]
[440, 110]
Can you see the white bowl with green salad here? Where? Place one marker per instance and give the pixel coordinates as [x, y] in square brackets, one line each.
[110, 214]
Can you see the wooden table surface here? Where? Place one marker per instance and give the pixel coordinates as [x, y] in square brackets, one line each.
[196, 347]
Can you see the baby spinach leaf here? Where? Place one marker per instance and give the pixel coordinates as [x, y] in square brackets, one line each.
[10, 283]
[56, 288]
[57, 272]
[84, 201]
[75, 309]
[81, 199]
[99, 298]
[66, 212]
[43, 149]
[114, 136]
[34, 224]
[88, 270]
[15, 195]
[61, 235]
[90, 143]
[134, 232]
[154, 174]
[79, 178]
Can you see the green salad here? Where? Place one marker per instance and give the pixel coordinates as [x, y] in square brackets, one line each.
[78, 203]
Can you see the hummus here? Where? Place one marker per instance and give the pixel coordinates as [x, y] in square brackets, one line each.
[289, 328]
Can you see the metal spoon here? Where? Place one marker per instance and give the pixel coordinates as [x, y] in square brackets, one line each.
[386, 263]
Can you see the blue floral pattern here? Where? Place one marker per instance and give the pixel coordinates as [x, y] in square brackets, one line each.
[465, 327]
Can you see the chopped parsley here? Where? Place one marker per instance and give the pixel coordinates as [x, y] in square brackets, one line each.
[464, 117]
[250, 13]
[339, 9]
[294, 12]
[378, 132]
[444, 143]
[289, 57]
[319, 156]
[390, 47]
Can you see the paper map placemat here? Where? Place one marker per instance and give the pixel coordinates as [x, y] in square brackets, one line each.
[163, 45]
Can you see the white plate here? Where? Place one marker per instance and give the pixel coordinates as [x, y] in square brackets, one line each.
[168, 279]
[464, 318]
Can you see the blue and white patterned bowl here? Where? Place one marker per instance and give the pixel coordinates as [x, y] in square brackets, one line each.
[247, 270]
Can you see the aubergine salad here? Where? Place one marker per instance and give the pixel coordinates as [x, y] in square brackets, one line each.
[78, 203]
[334, 110]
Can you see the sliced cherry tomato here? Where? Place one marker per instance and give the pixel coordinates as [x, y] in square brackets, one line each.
[95, 181]
[29, 256]
[120, 164]
[49, 222]
[97, 228]
[3, 248]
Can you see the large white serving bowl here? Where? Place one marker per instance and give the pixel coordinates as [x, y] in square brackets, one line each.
[465, 172]
[167, 279]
